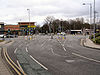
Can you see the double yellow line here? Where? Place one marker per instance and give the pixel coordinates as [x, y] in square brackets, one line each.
[12, 64]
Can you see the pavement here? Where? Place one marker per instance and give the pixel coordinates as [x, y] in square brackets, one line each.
[90, 44]
[3, 67]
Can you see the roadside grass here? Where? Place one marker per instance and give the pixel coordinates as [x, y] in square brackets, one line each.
[97, 38]
[1, 40]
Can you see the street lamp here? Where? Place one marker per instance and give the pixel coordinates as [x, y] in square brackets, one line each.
[97, 19]
[94, 21]
[29, 19]
[90, 5]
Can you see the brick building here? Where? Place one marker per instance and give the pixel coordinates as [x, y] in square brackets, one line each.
[26, 28]
[13, 29]
[22, 28]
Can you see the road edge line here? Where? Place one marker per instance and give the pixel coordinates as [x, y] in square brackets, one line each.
[13, 62]
[4, 52]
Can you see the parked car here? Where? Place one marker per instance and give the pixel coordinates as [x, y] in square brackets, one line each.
[10, 36]
[63, 33]
[2, 36]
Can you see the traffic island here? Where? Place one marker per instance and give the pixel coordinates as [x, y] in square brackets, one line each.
[89, 44]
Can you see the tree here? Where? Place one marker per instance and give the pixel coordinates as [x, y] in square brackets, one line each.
[49, 21]
[37, 28]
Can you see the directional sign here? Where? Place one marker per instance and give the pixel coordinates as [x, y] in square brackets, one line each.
[33, 26]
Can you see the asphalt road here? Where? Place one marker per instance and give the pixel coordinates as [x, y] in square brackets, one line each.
[55, 56]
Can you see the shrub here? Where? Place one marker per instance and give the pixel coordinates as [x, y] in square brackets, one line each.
[97, 40]
[1, 40]
[96, 35]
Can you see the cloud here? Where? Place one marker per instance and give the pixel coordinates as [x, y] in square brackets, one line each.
[14, 10]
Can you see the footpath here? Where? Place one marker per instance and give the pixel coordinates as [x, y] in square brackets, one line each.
[88, 43]
[4, 70]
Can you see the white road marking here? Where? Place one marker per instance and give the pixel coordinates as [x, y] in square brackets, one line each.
[64, 41]
[69, 61]
[52, 51]
[62, 45]
[55, 53]
[91, 59]
[64, 48]
[15, 50]
[44, 43]
[20, 66]
[26, 49]
[39, 63]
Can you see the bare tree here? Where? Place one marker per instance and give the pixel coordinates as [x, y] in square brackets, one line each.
[49, 21]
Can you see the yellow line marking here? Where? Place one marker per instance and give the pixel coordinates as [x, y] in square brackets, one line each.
[86, 58]
[11, 64]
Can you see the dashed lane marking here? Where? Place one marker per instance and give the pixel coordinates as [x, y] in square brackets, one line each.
[56, 54]
[91, 59]
[26, 49]
[62, 45]
[39, 63]
[64, 48]
[15, 50]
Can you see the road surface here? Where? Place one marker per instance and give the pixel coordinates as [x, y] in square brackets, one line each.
[45, 56]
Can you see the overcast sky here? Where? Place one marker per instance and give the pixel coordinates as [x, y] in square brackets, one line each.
[13, 11]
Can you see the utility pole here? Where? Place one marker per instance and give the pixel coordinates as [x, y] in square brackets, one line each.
[29, 19]
[94, 21]
[90, 5]
[29, 22]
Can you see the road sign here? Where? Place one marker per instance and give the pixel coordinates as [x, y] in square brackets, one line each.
[33, 26]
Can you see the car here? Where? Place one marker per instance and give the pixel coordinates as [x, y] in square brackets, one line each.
[63, 33]
[10, 36]
[2, 36]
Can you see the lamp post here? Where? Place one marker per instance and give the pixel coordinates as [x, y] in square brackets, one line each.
[94, 21]
[97, 19]
[90, 5]
[29, 19]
